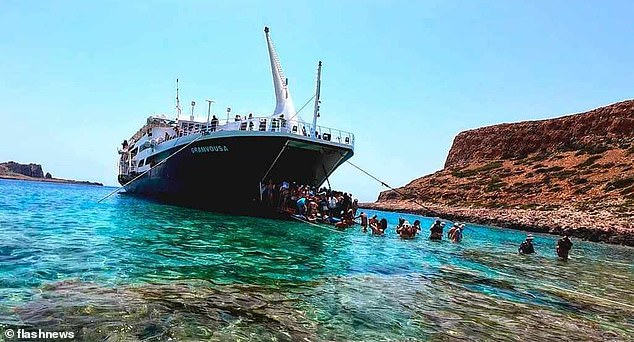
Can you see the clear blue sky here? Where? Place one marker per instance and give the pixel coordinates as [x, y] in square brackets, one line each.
[78, 77]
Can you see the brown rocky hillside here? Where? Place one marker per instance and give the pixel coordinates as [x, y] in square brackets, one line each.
[33, 172]
[29, 170]
[583, 163]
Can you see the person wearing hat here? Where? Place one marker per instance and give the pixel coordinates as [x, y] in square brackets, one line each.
[527, 247]
[455, 233]
[564, 245]
[406, 231]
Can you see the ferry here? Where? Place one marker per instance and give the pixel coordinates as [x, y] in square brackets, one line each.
[225, 163]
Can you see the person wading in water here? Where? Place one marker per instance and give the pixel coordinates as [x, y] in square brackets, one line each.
[406, 231]
[455, 233]
[436, 230]
[364, 221]
[527, 246]
[564, 245]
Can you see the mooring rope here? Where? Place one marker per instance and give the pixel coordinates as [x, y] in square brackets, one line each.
[388, 186]
[150, 169]
[305, 104]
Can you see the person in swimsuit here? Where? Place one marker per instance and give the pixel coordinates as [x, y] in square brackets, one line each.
[436, 230]
[382, 226]
[346, 221]
[312, 210]
[564, 245]
[373, 222]
[406, 231]
[364, 221]
[527, 246]
[416, 226]
[456, 236]
[379, 227]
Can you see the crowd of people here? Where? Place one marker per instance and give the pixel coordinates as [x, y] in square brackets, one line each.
[311, 204]
[339, 209]
[407, 231]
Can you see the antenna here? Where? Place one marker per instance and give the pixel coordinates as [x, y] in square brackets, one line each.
[316, 112]
[228, 111]
[209, 110]
[178, 103]
[191, 117]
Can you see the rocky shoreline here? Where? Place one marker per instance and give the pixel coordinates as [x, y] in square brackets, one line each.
[600, 225]
[34, 172]
[49, 180]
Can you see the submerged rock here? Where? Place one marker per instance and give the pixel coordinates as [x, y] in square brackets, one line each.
[161, 312]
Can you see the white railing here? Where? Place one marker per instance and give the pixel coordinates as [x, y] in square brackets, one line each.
[266, 124]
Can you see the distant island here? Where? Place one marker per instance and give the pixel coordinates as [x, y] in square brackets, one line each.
[571, 175]
[34, 172]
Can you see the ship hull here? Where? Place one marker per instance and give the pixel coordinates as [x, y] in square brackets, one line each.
[225, 172]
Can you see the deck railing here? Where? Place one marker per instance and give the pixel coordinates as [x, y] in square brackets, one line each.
[265, 124]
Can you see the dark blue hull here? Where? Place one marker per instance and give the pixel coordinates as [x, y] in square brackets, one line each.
[225, 172]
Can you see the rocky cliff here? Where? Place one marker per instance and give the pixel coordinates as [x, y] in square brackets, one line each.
[599, 129]
[29, 170]
[581, 164]
[13, 170]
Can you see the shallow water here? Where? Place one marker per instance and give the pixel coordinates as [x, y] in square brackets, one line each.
[129, 269]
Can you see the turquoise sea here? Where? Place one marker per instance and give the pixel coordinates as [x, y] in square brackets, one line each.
[128, 269]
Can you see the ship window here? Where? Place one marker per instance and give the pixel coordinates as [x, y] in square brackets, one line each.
[155, 159]
[142, 163]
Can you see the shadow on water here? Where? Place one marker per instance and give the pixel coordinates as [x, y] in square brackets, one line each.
[178, 311]
[166, 242]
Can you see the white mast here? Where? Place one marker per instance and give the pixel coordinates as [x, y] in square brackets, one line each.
[283, 102]
[316, 112]
[178, 104]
